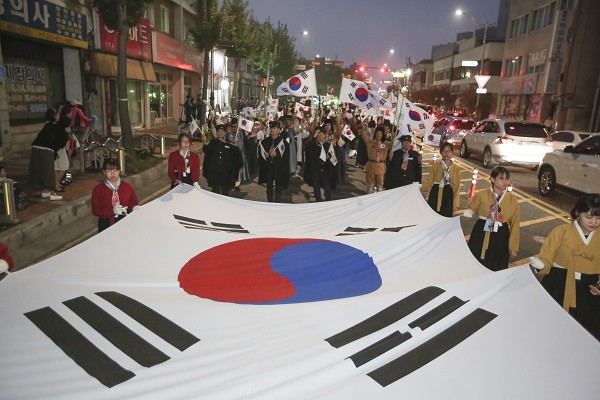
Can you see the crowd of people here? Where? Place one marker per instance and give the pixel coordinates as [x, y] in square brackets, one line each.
[293, 146]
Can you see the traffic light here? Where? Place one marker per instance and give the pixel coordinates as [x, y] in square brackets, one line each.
[362, 69]
[385, 70]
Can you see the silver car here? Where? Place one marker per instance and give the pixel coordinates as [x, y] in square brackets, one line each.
[453, 129]
[560, 139]
[575, 167]
[501, 141]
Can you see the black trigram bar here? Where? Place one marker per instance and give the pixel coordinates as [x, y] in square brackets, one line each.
[379, 347]
[93, 361]
[432, 349]
[397, 228]
[386, 317]
[304, 75]
[437, 313]
[353, 231]
[161, 326]
[118, 334]
[192, 223]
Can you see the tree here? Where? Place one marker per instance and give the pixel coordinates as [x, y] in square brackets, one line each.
[121, 15]
[274, 53]
[238, 36]
[206, 36]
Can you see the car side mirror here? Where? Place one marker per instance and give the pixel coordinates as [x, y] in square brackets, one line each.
[568, 149]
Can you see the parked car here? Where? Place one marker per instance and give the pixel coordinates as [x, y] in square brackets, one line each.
[452, 129]
[576, 167]
[560, 139]
[501, 141]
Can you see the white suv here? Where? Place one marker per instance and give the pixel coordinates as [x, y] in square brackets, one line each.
[576, 167]
[500, 141]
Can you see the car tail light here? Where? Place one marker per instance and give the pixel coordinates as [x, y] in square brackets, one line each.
[505, 140]
[452, 128]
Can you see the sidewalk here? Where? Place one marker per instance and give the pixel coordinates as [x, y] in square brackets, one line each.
[44, 217]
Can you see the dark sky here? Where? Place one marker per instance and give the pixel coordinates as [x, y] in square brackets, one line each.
[365, 30]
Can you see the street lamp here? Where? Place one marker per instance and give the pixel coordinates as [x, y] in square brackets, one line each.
[485, 28]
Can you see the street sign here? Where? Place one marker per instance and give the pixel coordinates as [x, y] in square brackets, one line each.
[481, 90]
[467, 63]
[482, 80]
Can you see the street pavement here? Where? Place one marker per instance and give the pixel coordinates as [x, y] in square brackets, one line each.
[47, 227]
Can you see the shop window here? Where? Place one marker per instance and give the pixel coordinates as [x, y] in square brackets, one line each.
[149, 14]
[164, 19]
[518, 26]
[543, 16]
[536, 62]
[512, 66]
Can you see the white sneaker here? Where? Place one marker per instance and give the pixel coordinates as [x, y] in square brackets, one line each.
[45, 195]
[54, 197]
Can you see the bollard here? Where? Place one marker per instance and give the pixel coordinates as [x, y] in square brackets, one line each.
[8, 197]
[163, 146]
[81, 159]
[473, 183]
[122, 161]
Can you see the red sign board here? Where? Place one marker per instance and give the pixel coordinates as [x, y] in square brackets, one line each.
[139, 43]
[169, 51]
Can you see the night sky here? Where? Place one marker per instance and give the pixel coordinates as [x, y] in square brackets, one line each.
[364, 31]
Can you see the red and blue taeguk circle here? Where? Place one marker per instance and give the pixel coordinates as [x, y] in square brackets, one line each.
[295, 83]
[361, 94]
[414, 115]
[279, 271]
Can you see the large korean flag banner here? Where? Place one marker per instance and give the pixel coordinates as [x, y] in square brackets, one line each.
[348, 299]
[358, 93]
[411, 120]
[300, 85]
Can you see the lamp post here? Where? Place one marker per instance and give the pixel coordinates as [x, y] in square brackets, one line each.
[485, 28]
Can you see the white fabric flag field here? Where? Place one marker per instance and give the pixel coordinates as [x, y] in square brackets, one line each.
[358, 93]
[411, 120]
[301, 85]
[201, 296]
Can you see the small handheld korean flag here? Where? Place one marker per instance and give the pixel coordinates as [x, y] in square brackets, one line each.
[273, 106]
[248, 112]
[194, 126]
[300, 85]
[281, 147]
[245, 124]
[348, 134]
[332, 157]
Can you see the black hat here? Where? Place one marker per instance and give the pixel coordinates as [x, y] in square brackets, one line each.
[234, 121]
[379, 128]
[221, 127]
[406, 138]
[274, 124]
[321, 128]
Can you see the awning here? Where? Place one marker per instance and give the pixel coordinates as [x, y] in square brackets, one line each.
[103, 64]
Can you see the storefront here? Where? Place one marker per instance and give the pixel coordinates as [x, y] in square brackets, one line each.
[178, 69]
[517, 100]
[40, 60]
[103, 71]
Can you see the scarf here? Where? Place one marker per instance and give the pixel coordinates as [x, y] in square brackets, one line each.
[405, 160]
[186, 160]
[115, 193]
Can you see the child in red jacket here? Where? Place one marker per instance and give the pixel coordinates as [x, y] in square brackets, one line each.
[113, 197]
